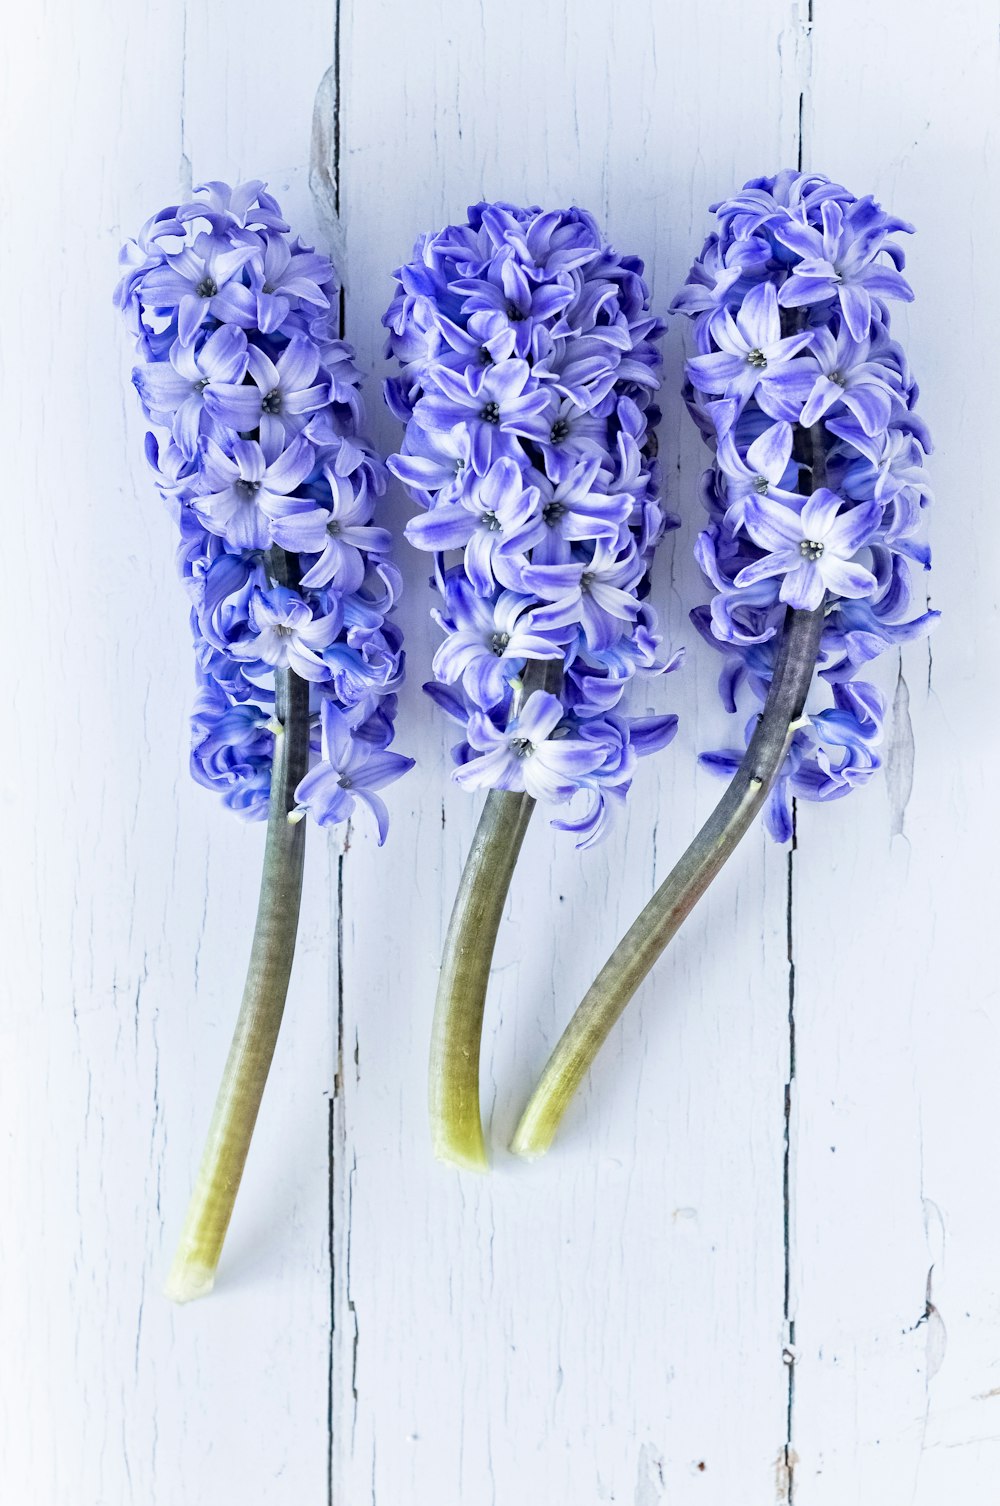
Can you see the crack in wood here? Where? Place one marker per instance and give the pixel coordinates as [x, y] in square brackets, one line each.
[789, 1457]
[325, 185]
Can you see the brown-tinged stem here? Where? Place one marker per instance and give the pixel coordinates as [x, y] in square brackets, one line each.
[192, 1273]
[679, 893]
[676, 897]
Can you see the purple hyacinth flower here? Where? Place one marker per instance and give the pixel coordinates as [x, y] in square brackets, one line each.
[437, 461]
[283, 633]
[488, 642]
[284, 275]
[203, 281]
[886, 465]
[528, 364]
[245, 207]
[177, 393]
[526, 755]
[825, 252]
[494, 405]
[495, 507]
[572, 434]
[760, 474]
[849, 378]
[714, 281]
[546, 616]
[340, 533]
[280, 394]
[754, 359]
[547, 245]
[838, 260]
[573, 511]
[812, 550]
[508, 293]
[488, 337]
[598, 595]
[585, 370]
[246, 489]
[265, 477]
[349, 768]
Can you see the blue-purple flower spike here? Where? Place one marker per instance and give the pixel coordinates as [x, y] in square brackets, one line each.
[792, 332]
[815, 501]
[529, 363]
[259, 401]
[262, 464]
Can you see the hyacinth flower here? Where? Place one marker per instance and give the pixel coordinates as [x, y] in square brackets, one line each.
[815, 501]
[261, 463]
[528, 367]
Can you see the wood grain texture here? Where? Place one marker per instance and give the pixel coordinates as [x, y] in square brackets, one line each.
[128, 893]
[530, 1336]
[741, 1276]
[897, 1212]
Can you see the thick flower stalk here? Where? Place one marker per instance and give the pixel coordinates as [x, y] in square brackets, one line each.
[815, 500]
[273, 491]
[528, 366]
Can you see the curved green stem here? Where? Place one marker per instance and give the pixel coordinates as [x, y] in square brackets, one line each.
[192, 1273]
[635, 954]
[456, 1122]
[679, 893]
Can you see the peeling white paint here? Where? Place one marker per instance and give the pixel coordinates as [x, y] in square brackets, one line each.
[899, 757]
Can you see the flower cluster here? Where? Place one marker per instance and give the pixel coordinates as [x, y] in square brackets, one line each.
[818, 485]
[528, 365]
[273, 492]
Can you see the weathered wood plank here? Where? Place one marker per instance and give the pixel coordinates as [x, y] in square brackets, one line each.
[129, 893]
[602, 1325]
[896, 1211]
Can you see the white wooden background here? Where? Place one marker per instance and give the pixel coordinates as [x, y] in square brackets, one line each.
[763, 1263]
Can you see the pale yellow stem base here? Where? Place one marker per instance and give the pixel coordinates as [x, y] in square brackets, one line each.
[188, 1280]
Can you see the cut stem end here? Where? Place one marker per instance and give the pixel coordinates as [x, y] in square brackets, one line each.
[188, 1280]
[465, 1154]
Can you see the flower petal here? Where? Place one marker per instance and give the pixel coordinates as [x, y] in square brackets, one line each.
[773, 526]
[444, 527]
[771, 451]
[803, 587]
[847, 578]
